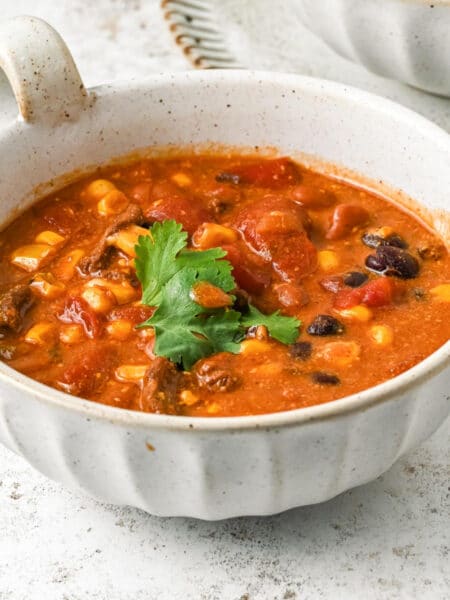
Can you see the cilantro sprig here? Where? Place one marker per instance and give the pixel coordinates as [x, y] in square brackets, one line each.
[184, 330]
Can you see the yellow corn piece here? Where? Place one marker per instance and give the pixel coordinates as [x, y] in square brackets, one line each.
[213, 408]
[71, 334]
[383, 232]
[41, 333]
[268, 369]
[112, 204]
[252, 346]
[182, 180]
[127, 238]
[65, 268]
[210, 235]
[133, 373]
[46, 286]
[99, 299]
[340, 354]
[360, 313]
[50, 237]
[328, 260]
[99, 188]
[382, 335]
[120, 329]
[123, 291]
[441, 292]
[31, 257]
[188, 398]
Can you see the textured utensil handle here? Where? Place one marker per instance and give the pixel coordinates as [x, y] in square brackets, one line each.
[41, 71]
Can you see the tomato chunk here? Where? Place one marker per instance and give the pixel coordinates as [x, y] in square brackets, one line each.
[275, 228]
[88, 369]
[77, 310]
[267, 173]
[181, 209]
[378, 292]
[248, 276]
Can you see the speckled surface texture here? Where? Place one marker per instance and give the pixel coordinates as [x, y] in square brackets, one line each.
[387, 540]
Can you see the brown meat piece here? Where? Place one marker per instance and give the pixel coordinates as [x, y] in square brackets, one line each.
[215, 373]
[13, 306]
[101, 256]
[159, 393]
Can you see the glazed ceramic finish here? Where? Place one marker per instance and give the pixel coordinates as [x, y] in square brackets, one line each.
[406, 40]
[215, 468]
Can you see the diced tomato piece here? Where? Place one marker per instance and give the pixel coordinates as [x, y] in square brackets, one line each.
[275, 228]
[61, 218]
[135, 314]
[378, 292]
[248, 276]
[88, 369]
[181, 209]
[77, 310]
[267, 173]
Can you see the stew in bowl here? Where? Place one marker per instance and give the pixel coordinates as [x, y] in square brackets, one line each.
[219, 285]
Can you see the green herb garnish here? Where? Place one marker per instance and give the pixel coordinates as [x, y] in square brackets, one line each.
[186, 331]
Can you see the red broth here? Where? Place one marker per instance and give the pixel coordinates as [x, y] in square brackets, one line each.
[369, 282]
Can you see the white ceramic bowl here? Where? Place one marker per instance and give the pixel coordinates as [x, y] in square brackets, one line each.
[215, 467]
[407, 40]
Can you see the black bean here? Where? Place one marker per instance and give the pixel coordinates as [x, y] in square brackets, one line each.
[300, 350]
[394, 262]
[355, 279]
[325, 325]
[372, 240]
[225, 177]
[325, 378]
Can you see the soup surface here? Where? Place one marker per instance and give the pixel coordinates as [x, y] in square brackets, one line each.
[365, 284]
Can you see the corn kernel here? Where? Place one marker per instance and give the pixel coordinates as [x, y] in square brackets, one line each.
[46, 286]
[210, 235]
[253, 346]
[340, 354]
[188, 398]
[49, 237]
[271, 369]
[382, 335]
[182, 180]
[360, 313]
[441, 292]
[328, 260]
[127, 238]
[31, 257]
[123, 291]
[71, 334]
[131, 372]
[65, 269]
[120, 329]
[384, 232]
[99, 299]
[99, 188]
[41, 333]
[112, 204]
[213, 408]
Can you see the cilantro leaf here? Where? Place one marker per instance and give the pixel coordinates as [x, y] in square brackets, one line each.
[186, 331]
[284, 329]
[156, 257]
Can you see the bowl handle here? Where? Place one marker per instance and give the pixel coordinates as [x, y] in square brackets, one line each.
[41, 71]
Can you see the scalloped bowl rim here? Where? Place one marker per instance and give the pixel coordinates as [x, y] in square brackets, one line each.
[387, 390]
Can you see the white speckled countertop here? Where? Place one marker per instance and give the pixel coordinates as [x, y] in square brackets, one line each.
[387, 540]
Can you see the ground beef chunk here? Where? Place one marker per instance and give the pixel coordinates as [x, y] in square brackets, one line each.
[13, 306]
[159, 392]
[101, 256]
[215, 373]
